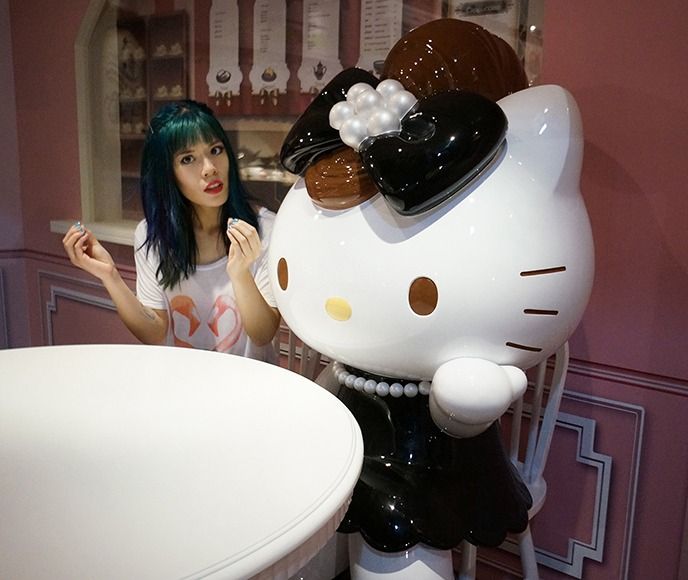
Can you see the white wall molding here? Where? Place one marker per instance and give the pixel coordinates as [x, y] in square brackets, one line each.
[571, 563]
[635, 444]
[629, 377]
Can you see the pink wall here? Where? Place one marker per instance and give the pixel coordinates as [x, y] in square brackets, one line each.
[10, 202]
[625, 64]
[43, 36]
[13, 326]
[626, 68]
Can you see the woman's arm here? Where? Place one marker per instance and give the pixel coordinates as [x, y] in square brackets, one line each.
[86, 252]
[261, 320]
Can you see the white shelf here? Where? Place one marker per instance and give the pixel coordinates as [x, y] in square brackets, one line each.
[116, 232]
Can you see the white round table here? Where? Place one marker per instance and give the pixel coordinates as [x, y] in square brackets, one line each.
[156, 462]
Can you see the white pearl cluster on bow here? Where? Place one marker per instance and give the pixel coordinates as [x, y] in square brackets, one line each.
[381, 389]
[368, 112]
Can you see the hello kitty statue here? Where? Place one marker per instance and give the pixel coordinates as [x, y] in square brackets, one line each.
[436, 248]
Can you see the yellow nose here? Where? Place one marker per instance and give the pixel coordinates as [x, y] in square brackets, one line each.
[338, 308]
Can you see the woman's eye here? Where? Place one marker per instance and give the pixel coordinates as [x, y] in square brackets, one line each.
[218, 150]
[186, 160]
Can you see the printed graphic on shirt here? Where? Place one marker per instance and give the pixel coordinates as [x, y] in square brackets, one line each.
[218, 329]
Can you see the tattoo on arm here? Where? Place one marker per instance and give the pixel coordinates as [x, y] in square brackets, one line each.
[148, 313]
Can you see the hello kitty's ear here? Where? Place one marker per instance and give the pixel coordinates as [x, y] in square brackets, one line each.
[546, 134]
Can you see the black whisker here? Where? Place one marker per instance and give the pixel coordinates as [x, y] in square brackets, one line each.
[524, 347]
[543, 271]
[540, 311]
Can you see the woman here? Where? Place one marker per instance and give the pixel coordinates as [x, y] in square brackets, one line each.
[201, 266]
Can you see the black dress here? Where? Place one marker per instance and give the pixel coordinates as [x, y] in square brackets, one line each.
[421, 485]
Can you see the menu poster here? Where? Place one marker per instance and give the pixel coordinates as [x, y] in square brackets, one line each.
[269, 72]
[320, 59]
[224, 76]
[381, 27]
[500, 17]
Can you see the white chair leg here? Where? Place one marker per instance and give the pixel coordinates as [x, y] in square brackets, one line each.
[469, 556]
[527, 550]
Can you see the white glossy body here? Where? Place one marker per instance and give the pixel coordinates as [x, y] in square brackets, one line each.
[416, 563]
[490, 252]
[157, 462]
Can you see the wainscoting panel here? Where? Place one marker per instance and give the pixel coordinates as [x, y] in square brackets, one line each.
[78, 311]
[571, 527]
[586, 526]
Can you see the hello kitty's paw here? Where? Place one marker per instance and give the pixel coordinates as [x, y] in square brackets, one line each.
[468, 394]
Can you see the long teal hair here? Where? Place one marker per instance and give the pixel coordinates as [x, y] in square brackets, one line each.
[169, 215]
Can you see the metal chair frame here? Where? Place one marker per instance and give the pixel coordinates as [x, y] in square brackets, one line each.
[300, 358]
[539, 439]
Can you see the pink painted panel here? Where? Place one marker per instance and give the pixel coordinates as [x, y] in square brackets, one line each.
[15, 305]
[568, 510]
[653, 542]
[77, 322]
[643, 528]
[72, 307]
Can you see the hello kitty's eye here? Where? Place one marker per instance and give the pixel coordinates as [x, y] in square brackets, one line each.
[282, 273]
[423, 296]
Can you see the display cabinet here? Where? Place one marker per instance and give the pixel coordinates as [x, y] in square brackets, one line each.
[257, 143]
[153, 71]
[168, 69]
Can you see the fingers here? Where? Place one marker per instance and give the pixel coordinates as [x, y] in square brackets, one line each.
[75, 241]
[245, 237]
[74, 232]
[79, 244]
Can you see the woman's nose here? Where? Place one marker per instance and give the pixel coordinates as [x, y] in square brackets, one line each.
[209, 167]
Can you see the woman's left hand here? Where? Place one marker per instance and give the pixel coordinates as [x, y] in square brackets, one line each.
[244, 247]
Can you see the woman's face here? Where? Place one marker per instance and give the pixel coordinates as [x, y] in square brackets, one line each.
[202, 173]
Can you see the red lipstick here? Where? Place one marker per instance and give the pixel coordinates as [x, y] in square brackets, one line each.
[214, 187]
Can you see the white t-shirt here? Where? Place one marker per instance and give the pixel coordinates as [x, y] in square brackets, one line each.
[202, 309]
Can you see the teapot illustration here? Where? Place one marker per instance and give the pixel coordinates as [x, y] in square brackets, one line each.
[223, 76]
[319, 70]
[269, 75]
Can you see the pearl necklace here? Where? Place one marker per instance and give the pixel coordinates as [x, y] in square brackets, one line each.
[382, 388]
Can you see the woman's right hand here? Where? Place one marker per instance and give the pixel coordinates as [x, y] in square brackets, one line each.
[86, 252]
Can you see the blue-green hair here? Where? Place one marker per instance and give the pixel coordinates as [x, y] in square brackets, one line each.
[169, 215]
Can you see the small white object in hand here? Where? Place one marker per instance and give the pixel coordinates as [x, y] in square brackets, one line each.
[368, 112]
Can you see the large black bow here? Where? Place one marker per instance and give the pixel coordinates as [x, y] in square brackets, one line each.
[446, 140]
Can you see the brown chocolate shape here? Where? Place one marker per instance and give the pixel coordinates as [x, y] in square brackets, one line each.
[337, 180]
[450, 54]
